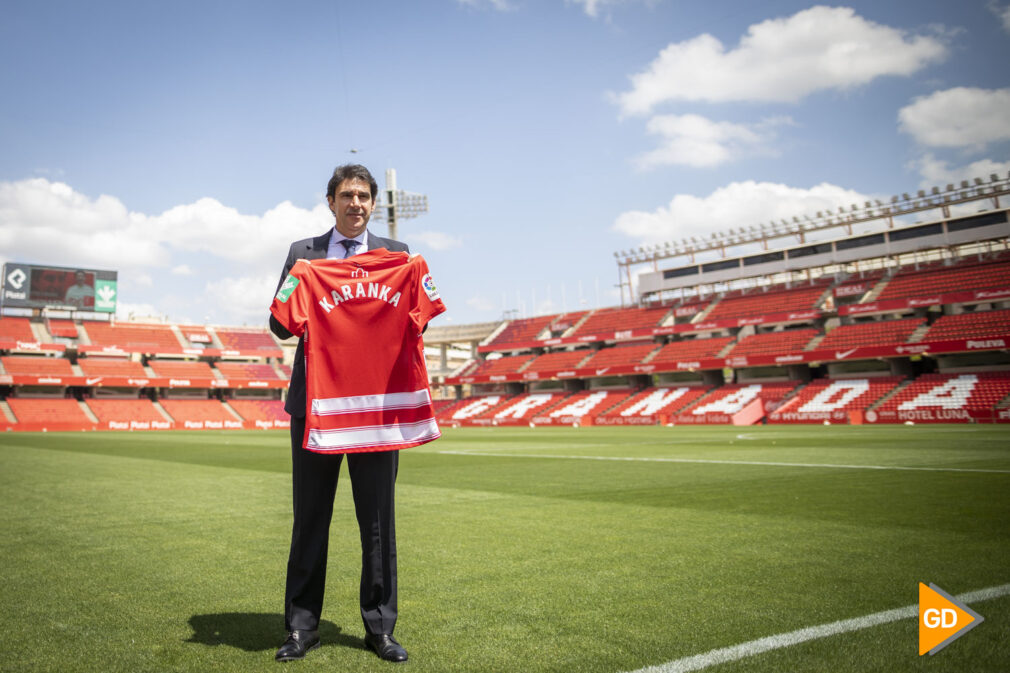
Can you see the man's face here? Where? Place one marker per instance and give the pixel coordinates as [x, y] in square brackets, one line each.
[352, 205]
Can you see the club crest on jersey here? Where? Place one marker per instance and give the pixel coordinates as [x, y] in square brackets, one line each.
[429, 287]
[287, 287]
[355, 291]
[359, 273]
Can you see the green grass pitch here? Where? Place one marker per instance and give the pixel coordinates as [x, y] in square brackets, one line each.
[549, 549]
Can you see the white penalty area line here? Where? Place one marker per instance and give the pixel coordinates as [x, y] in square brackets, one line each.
[725, 462]
[736, 652]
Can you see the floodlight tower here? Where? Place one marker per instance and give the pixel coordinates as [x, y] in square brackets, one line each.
[395, 204]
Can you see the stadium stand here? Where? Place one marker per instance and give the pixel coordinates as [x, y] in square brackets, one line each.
[621, 354]
[61, 328]
[833, 399]
[606, 320]
[582, 405]
[36, 365]
[196, 412]
[691, 349]
[260, 410]
[48, 411]
[245, 340]
[938, 280]
[931, 393]
[874, 333]
[181, 369]
[246, 370]
[524, 330]
[520, 409]
[653, 403]
[724, 402]
[472, 407]
[506, 365]
[970, 326]
[558, 360]
[758, 302]
[101, 366]
[16, 329]
[135, 411]
[137, 338]
[786, 341]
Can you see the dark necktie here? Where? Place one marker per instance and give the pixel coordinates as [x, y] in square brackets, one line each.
[349, 246]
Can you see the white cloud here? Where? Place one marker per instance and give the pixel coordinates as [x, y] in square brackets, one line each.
[499, 5]
[959, 117]
[436, 240]
[693, 140]
[781, 60]
[594, 8]
[49, 222]
[939, 173]
[241, 300]
[735, 205]
[1003, 13]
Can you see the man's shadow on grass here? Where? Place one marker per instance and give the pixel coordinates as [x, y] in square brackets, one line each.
[256, 632]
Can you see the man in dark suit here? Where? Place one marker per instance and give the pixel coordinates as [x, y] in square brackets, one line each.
[351, 195]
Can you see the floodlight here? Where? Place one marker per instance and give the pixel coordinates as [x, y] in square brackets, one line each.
[993, 177]
[922, 194]
[964, 184]
[905, 196]
[978, 181]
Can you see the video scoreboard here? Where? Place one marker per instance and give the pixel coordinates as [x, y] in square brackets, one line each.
[34, 286]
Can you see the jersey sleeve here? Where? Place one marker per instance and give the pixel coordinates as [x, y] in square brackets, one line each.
[427, 303]
[290, 305]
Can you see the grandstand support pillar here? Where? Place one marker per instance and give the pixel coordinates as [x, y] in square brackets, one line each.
[458, 390]
[443, 356]
[574, 385]
[712, 377]
[901, 367]
[639, 381]
[799, 373]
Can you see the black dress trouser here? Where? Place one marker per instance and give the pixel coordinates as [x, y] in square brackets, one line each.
[314, 483]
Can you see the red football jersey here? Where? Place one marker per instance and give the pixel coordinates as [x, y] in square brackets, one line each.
[362, 317]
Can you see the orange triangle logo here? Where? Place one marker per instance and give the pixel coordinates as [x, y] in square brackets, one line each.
[942, 619]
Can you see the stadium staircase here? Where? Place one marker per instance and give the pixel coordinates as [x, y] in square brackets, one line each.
[891, 393]
[8, 414]
[39, 332]
[918, 334]
[87, 411]
[875, 290]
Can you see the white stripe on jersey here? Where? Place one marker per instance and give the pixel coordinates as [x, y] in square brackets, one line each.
[373, 436]
[328, 406]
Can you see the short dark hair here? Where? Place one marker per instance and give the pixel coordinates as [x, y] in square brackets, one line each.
[351, 172]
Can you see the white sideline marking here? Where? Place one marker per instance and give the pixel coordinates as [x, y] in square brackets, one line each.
[722, 655]
[727, 462]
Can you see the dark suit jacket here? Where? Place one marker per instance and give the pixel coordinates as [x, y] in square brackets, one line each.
[312, 248]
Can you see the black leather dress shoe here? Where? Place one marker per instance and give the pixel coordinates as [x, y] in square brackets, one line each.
[386, 647]
[297, 644]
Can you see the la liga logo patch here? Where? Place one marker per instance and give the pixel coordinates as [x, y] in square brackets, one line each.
[289, 285]
[429, 287]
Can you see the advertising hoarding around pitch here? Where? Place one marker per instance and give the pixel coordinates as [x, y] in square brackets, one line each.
[34, 286]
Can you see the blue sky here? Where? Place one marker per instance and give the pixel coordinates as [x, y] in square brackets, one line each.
[187, 144]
